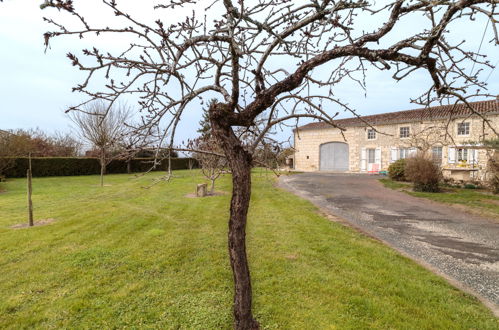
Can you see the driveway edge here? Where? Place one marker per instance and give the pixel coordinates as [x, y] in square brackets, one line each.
[282, 183]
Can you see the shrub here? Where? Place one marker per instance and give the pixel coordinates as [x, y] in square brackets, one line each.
[470, 186]
[494, 169]
[423, 173]
[70, 166]
[494, 183]
[396, 171]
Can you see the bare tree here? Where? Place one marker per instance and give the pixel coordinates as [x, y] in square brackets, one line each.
[424, 139]
[58, 144]
[65, 145]
[134, 141]
[211, 159]
[211, 162]
[103, 127]
[190, 163]
[273, 59]
[130, 145]
[13, 143]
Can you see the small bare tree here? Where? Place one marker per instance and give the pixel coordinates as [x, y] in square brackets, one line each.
[275, 59]
[209, 155]
[211, 162]
[135, 140]
[190, 163]
[103, 126]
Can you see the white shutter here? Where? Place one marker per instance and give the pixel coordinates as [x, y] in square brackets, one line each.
[394, 154]
[412, 152]
[377, 156]
[451, 155]
[473, 154]
[363, 159]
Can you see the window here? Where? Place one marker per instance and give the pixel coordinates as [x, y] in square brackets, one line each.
[463, 129]
[462, 155]
[371, 156]
[403, 153]
[436, 153]
[371, 134]
[404, 132]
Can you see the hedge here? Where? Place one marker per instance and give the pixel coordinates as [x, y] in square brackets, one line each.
[70, 166]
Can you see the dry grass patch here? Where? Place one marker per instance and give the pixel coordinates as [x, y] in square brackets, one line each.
[38, 223]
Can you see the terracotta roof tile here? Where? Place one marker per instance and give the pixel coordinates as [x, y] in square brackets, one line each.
[431, 113]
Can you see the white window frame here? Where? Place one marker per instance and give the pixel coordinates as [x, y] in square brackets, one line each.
[408, 132]
[374, 135]
[363, 159]
[458, 154]
[403, 153]
[437, 156]
[467, 129]
[451, 155]
[462, 154]
[371, 152]
[394, 154]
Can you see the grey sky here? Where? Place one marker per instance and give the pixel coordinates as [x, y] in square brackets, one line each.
[35, 87]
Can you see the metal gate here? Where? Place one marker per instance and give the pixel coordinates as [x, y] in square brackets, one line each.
[333, 157]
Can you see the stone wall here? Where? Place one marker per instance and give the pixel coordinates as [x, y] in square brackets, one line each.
[423, 135]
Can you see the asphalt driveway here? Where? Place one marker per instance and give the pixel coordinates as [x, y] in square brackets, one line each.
[462, 247]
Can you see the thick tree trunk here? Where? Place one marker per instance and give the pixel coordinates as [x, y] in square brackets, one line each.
[241, 192]
[240, 165]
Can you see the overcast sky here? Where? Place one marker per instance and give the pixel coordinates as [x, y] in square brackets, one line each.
[35, 87]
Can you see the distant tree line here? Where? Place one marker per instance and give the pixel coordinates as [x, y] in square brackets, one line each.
[22, 142]
[19, 143]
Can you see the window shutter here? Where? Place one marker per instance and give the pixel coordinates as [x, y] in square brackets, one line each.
[394, 154]
[474, 155]
[377, 156]
[363, 159]
[451, 155]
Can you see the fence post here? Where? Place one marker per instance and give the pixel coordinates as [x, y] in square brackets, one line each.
[30, 191]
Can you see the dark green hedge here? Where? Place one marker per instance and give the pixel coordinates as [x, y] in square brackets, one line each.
[68, 166]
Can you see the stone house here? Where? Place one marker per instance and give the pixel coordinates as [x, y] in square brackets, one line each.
[450, 134]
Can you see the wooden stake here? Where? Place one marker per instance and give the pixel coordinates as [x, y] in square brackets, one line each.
[30, 191]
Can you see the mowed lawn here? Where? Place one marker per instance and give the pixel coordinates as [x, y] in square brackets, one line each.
[123, 256]
[479, 201]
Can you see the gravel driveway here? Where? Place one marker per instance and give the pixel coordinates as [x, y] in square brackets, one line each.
[462, 247]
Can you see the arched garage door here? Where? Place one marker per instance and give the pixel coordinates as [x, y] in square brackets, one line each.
[334, 156]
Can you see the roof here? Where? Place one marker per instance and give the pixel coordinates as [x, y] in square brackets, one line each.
[460, 110]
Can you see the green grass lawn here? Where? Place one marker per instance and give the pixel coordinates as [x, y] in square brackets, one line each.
[477, 200]
[122, 256]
